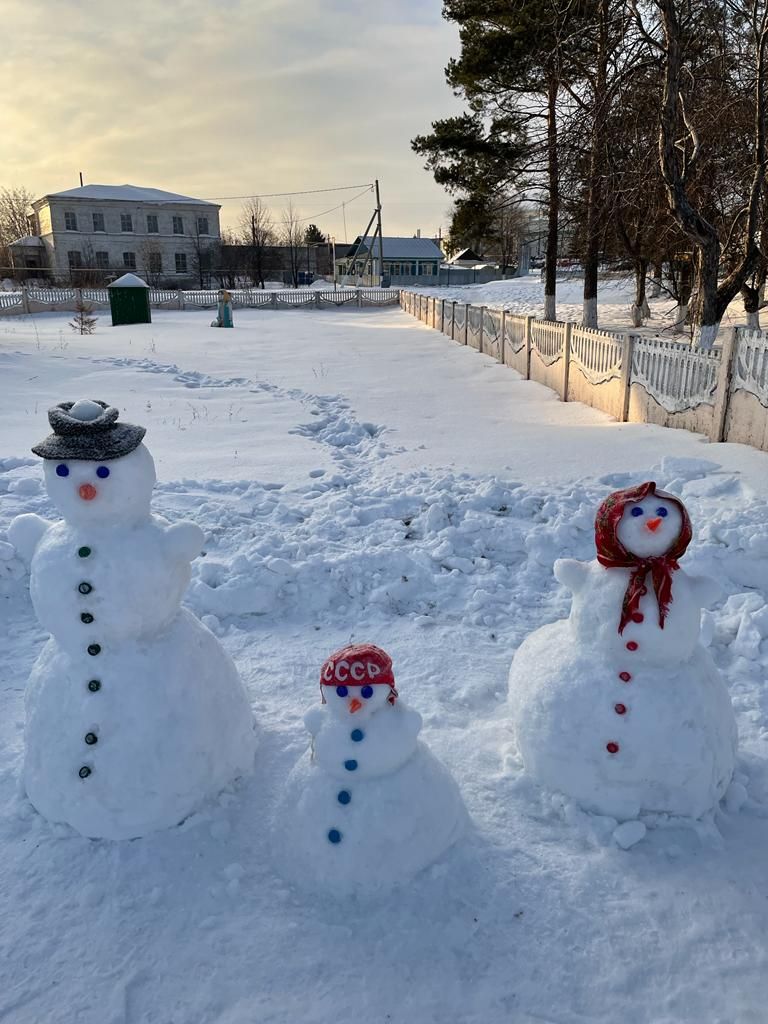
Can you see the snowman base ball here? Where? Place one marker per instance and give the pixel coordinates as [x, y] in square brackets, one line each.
[135, 715]
[619, 706]
[368, 806]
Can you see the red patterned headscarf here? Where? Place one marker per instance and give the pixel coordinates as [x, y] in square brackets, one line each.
[613, 555]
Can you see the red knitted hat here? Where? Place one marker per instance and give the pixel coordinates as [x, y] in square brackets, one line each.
[359, 665]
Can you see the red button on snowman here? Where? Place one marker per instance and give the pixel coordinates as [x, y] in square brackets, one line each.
[620, 706]
[366, 785]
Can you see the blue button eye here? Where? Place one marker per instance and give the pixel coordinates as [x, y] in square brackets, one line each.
[367, 691]
[342, 691]
[62, 470]
[637, 511]
[103, 472]
[661, 511]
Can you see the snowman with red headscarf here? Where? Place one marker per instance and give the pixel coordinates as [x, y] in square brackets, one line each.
[368, 805]
[620, 706]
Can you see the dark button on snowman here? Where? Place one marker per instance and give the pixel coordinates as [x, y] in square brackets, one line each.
[166, 723]
[366, 785]
[620, 706]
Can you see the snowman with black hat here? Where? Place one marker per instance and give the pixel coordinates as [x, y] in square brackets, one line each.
[134, 712]
[620, 706]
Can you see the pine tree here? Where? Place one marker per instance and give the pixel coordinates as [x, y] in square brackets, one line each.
[83, 322]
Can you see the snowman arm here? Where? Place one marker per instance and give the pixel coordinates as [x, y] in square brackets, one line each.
[25, 533]
[185, 540]
[706, 591]
[571, 574]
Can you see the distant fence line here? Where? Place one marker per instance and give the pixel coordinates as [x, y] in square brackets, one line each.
[722, 393]
[51, 300]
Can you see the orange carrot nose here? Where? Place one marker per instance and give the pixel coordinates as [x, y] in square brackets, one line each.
[87, 492]
[653, 524]
[355, 705]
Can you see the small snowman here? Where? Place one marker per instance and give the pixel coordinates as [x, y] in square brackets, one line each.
[620, 706]
[134, 712]
[368, 805]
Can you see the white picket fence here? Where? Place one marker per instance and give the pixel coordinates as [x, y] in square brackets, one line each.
[39, 300]
[722, 393]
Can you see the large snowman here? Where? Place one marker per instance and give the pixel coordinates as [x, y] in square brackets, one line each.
[134, 712]
[368, 805]
[620, 706]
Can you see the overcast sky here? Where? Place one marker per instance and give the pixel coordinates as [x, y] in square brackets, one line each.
[217, 98]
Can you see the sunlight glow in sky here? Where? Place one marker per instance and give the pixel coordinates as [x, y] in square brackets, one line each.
[226, 97]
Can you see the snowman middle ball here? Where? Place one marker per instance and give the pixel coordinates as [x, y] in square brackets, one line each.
[620, 707]
[367, 806]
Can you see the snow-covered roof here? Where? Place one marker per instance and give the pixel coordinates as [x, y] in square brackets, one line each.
[128, 281]
[466, 255]
[28, 241]
[132, 193]
[400, 248]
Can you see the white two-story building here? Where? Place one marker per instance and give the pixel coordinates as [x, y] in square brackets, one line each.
[111, 229]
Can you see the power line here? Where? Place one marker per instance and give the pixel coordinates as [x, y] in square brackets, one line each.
[306, 192]
[317, 216]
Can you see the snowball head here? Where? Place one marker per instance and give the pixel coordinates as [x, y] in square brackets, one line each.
[86, 410]
[90, 493]
[356, 703]
[648, 529]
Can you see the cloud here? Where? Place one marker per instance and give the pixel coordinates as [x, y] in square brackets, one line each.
[230, 97]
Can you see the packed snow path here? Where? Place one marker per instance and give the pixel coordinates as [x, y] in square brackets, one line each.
[359, 477]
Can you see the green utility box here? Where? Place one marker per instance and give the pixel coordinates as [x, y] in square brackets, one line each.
[129, 301]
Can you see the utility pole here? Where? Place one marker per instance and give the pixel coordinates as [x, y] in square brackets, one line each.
[381, 237]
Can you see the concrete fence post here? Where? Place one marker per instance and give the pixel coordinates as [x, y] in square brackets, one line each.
[627, 348]
[317, 300]
[180, 299]
[467, 307]
[528, 333]
[453, 320]
[566, 358]
[24, 299]
[724, 379]
[273, 300]
[78, 297]
[482, 327]
[359, 298]
[503, 335]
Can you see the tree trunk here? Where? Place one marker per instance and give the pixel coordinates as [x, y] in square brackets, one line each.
[751, 296]
[550, 260]
[656, 280]
[639, 309]
[595, 197]
[683, 298]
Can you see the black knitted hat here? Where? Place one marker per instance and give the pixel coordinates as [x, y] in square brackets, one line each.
[96, 439]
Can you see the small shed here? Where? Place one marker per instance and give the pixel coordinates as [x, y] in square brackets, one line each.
[129, 301]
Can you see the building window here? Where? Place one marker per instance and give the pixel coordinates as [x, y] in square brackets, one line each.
[152, 228]
[181, 263]
[70, 221]
[426, 268]
[102, 260]
[178, 225]
[202, 225]
[126, 222]
[155, 263]
[129, 260]
[98, 222]
[75, 258]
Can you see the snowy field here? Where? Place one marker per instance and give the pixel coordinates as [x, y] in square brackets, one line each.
[359, 477]
[525, 296]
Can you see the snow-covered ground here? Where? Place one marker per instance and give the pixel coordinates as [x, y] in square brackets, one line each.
[359, 477]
